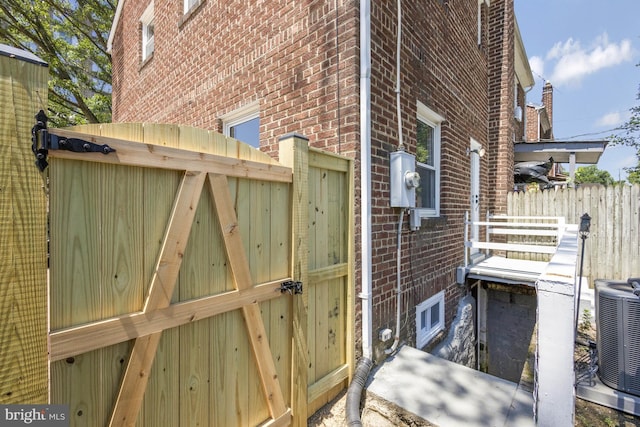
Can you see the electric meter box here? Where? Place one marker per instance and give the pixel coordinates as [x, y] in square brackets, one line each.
[404, 179]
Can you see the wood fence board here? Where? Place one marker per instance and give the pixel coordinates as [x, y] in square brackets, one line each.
[634, 232]
[280, 319]
[23, 222]
[195, 282]
[258, 338]
[294, 153]
[618, 221]
[258, 235]
[168, 157]
[87, 406]
[160, 405]
[612, 248]
[335, 323]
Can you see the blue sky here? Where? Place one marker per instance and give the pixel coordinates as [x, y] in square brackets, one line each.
[588, 50]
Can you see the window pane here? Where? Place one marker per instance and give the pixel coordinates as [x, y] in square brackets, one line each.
[435, 315]
[426, 192]
[424, 149]
[248, 132]
[423, 319]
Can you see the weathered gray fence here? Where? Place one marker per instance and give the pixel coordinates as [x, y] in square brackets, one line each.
[612, 250]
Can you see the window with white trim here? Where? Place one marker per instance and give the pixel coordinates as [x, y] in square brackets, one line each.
[189, 4]
[428, 161]
[243, 124]
[480, 27]
[429, 319]
[147, 22]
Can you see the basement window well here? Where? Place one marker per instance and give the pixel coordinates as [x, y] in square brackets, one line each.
[429, 319]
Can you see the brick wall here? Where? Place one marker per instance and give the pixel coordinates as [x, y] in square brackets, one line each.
[302, 66]
[532, 125]
[501, 101]
[444, 68]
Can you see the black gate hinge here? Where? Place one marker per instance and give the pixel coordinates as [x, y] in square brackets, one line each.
[42, 141]
[293, 287]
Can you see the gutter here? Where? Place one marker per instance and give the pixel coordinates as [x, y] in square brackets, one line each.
[114, 25]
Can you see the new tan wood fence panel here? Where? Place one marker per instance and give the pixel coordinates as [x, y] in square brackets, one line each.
[330, 282]
[23, 224]
[108, 223]
[612, 250]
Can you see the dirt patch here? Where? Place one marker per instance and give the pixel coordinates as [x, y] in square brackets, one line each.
[376, 412]
[332, 414]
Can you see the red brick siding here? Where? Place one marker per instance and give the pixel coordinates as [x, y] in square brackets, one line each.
[284, 55]
[442, 67]
[501, 102]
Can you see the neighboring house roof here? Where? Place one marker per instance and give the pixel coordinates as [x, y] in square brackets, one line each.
[13, 52]
[545, 121]
[586, 152]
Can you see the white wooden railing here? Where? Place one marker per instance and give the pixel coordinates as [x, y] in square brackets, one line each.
[503, 225]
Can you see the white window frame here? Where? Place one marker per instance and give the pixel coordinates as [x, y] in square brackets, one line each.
[480, 2]
[433, 119]
[190, 4]
[243, 114]
[147, 42]
[425, 335]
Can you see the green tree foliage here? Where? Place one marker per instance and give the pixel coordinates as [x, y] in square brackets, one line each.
[71, 36]
[634, 176]
[630, 136]
[592, 175]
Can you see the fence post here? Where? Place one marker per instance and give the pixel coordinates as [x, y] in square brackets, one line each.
[294, 152]
[23, 228]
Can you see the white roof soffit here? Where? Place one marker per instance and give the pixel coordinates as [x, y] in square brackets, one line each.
[586, 152]
[114, 25]
[523, 69]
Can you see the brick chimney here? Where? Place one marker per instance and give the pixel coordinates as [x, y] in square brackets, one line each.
[547, 101]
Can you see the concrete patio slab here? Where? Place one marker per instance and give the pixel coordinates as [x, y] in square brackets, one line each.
[450, 395]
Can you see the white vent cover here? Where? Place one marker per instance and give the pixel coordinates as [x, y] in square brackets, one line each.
[618, 335]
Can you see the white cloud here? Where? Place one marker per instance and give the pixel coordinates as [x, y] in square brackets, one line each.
[572, 62]
[610, 119]
[537, 66]
[614, 118]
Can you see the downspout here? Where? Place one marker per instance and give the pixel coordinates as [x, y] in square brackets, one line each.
[365, 175]
[352, 406]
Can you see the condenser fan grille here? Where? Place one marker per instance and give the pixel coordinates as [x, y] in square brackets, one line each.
[618, 335]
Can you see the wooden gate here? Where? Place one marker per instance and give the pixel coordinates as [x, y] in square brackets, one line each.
[168, 261]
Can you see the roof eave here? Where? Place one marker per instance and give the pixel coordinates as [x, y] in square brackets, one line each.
[114, 25]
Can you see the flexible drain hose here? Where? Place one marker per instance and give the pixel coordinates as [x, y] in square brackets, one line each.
[354, 392]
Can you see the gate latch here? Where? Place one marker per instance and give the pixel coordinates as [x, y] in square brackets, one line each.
[294, 288]
[42, 141]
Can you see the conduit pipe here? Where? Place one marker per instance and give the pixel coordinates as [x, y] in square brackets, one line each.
[398, 105]
[396, 339]
[352, 406]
